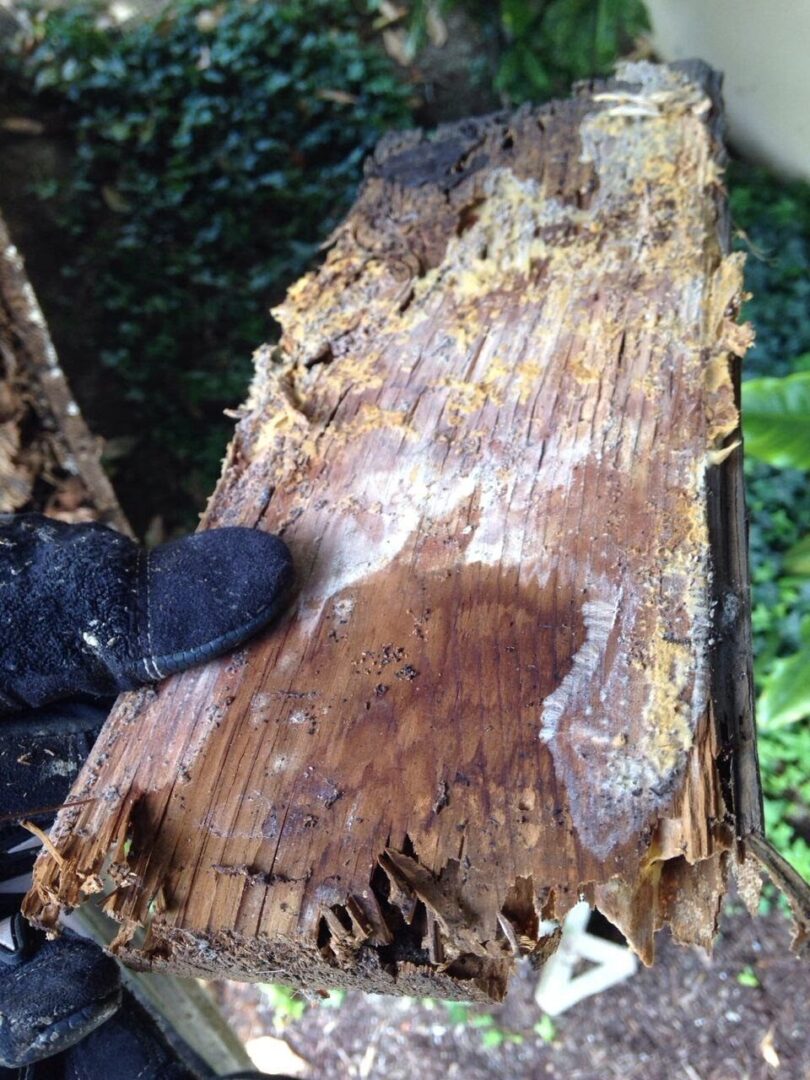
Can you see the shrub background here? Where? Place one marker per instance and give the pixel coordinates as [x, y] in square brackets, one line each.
[213, 149]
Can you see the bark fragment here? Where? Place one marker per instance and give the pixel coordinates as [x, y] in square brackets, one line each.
[49, 461]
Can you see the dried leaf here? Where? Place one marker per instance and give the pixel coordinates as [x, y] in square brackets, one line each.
[115, 200]
[768, 1050]
[436, 27]
[341, 97]
[399, 46]
[22, 125]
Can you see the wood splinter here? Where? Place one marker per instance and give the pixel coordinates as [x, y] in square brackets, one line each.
[500, 437]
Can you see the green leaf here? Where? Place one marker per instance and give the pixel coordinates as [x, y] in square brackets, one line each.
[747, 977]
[535, 72]
[482, 1020]
[545, 1028]
[797, 559]
[786, 697]
[516, 16]
[458, 1012]
[776, 420]
[492, 1037]
[285, 1001]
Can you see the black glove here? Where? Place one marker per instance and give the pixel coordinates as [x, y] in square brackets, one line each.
[85, 613]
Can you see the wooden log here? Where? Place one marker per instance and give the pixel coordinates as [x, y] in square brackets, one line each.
[492, 435]
[49, 461]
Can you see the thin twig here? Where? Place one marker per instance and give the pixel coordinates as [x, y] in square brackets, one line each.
[38, 811]
[789, 882]
[46, 842]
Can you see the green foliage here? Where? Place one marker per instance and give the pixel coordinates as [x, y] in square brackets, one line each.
[492, 1035]
[777, 420]
[776, 414]
[785, 697]
[773, 219]
[482, 1020]
[545, 1029]
[286, 1003]
[458, 1012]
[539, 47]
[215, 148]
[748, 977]
[783, 754]
[779, 506]
[797, 559]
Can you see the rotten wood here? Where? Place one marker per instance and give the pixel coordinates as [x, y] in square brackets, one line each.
[49, 461]
[517, 670]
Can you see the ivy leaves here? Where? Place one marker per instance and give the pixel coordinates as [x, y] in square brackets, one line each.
[214, 148]
[777, 419]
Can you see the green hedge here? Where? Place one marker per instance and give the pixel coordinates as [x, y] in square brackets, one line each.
[772, 218]
[215, 148]
[535, 49]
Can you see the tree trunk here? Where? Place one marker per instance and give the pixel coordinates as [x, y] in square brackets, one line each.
[500, 436]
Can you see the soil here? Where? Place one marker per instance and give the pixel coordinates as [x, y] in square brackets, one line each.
[686, 1018]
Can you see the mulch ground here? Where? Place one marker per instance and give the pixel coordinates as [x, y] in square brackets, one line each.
[687, 1018]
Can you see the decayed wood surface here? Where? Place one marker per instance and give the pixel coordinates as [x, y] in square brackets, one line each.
[489, 436]
[49, 461]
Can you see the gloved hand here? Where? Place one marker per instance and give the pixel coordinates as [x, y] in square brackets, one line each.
[85, 613]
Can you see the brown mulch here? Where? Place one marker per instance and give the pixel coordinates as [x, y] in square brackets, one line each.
[686, 1018]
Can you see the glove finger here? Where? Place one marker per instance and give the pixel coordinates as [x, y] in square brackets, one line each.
[207, 593]
[85, 611]
[55, 998]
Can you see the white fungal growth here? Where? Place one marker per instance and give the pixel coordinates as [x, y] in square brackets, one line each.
[391, 506]
[343, 609]
[575, 689]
